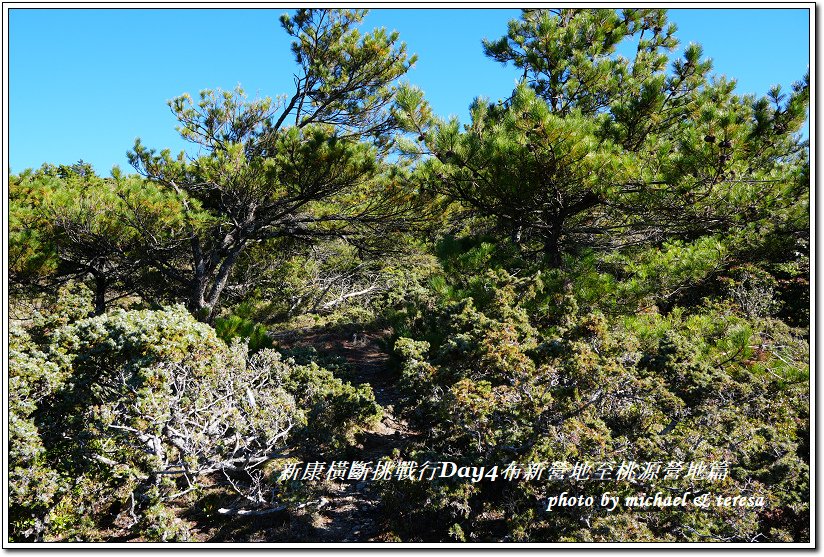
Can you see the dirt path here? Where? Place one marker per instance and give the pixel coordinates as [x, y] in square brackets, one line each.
[352, 511]
[340, 511]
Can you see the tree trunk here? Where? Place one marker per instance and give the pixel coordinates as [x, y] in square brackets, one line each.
[552, 253]
[203, 305]
[552, 245]
[196, 303]
[99, 293]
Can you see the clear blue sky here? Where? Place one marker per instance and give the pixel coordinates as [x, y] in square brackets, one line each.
[83, 84]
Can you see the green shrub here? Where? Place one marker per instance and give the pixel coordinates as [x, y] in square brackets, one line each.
[498, 388]
[254, 334]
[113, 415]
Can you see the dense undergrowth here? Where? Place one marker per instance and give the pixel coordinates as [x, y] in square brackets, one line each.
[599, 285]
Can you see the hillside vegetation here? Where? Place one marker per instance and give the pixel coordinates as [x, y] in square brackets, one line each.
[599, 285]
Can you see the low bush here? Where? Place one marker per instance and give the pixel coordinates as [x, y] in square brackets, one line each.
[710, 387]
[113, 416]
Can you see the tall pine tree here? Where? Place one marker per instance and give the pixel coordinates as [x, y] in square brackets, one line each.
[296, 169]
[595, 150]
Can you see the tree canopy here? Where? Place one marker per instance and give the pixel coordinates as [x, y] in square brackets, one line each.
[595, 284]
[595, 150]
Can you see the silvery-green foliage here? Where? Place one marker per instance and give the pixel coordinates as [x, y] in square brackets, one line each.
[132, 408]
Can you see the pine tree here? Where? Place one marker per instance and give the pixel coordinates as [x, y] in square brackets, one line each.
[594, 150]
[292, 169]
[67, 223]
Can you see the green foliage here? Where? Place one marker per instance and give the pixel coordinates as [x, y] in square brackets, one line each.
[33, 483]
[346, 78]
[79, 226]
[709, 386]
[612, 264]
[137, 406]
[335, 411]
[752, 290]
[576, 68]
[597, 151]
[296, 171]
[254, 334]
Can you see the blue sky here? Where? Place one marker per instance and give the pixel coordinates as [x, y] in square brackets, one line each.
[83, 84]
